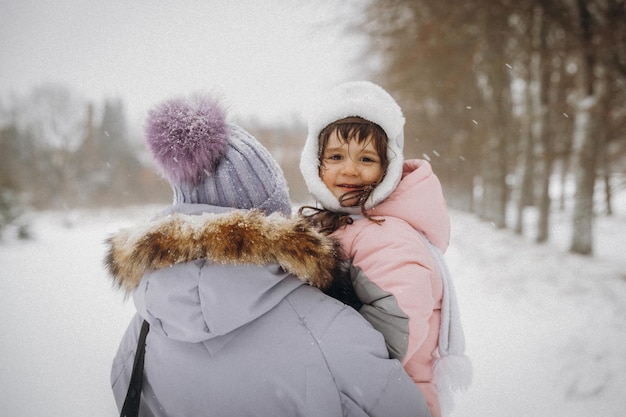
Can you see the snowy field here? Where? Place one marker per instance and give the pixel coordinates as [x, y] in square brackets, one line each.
[546, 329]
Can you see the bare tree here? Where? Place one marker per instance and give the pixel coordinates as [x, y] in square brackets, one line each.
[591, 117]
[51, 120]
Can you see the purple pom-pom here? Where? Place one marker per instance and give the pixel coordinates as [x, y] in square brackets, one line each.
[187, 137]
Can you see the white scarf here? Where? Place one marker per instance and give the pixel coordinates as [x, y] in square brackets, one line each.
[453, 368]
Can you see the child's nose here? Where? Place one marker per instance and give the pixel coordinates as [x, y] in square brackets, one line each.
[350, 167]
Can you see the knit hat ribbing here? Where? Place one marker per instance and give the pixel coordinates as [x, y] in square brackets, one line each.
[209, 161]
[368, 101]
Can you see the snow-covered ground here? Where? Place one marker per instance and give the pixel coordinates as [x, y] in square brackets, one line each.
[546, 329]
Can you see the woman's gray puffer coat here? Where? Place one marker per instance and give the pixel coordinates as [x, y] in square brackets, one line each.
[237, 327]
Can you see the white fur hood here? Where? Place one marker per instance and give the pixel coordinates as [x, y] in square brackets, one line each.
[366, 100]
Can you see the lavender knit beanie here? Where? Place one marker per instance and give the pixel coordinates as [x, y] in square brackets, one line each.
[209, 161]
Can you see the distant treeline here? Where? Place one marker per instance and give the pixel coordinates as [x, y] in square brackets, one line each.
[58, 151]
[515, 104]
[509, 98]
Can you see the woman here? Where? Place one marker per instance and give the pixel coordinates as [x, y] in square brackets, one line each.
[226, 281]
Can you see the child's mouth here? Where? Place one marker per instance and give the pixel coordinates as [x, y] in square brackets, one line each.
[351, 187]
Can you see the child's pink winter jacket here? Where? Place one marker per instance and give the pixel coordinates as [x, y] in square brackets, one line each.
[398, 277]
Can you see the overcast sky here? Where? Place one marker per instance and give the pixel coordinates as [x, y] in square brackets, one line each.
[268, 57]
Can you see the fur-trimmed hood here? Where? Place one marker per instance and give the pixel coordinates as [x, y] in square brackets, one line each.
[370, 102]
[237, 237]
[200, 276]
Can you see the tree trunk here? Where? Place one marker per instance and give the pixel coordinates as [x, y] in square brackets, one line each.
[582, 236]
[526, 188]
[527, 145]
[544, 132]
[545, 202]
[608, 193]
[588, 126]
[606, 176]
[495, 191]
[584, 147]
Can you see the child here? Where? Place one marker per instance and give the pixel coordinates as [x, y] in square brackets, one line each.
[390, 217]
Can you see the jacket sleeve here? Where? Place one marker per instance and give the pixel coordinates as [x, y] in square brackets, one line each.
[381, 309]
[395, 259]
[370, 383]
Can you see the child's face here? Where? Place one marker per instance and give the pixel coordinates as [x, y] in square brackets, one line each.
[349, 167]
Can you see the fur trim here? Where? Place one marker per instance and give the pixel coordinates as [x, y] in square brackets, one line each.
[238, 237]
[371, 102]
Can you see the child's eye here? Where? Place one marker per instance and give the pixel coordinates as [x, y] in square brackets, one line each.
[334, 157]
[368, 160]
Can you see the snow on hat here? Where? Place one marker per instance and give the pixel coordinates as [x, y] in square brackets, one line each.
[368, 101]
[209, 161]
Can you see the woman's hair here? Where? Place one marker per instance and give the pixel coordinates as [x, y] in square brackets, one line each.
[348, 129]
